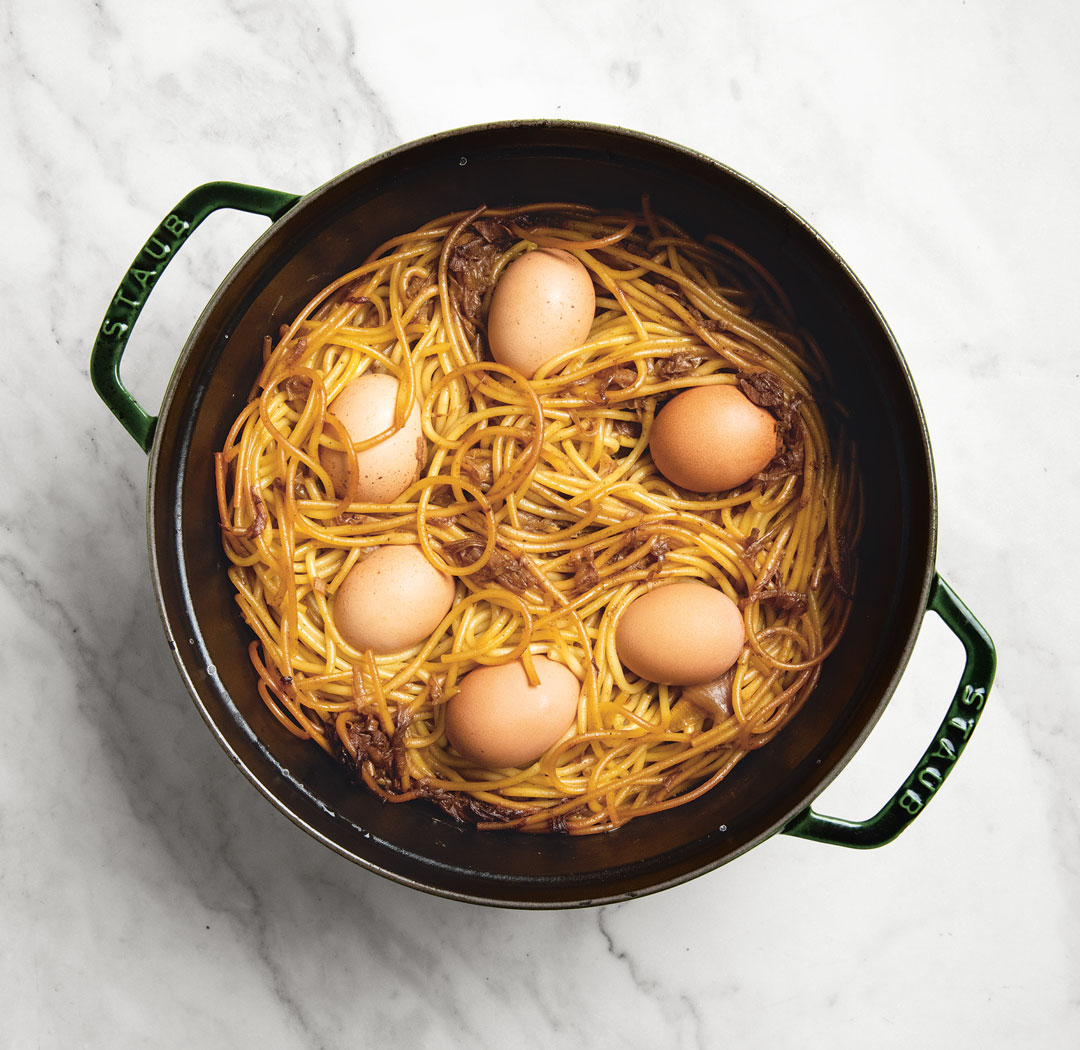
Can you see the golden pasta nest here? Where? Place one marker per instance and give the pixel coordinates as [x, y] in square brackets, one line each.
[540, 498]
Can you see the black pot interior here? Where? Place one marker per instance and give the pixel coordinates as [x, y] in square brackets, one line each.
[332, 230]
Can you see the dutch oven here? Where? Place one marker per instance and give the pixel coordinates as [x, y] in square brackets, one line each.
[314, 238]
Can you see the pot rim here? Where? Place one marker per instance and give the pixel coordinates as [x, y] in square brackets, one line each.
[311, 199]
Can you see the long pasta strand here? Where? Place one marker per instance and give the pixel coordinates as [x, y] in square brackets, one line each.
[553, 477]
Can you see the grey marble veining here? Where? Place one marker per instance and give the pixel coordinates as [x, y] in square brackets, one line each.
[149, 896]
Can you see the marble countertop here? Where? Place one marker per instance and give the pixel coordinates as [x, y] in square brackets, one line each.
[150, 897]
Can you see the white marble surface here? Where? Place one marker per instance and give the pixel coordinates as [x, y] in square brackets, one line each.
[150, 897]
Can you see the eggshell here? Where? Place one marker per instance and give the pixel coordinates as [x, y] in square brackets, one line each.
[682, 633]
[711, 439]
[365, 407]
[543, 305]
[391, 600]
[498, 718]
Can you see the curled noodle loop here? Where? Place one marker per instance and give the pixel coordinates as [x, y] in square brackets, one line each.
[540, 498]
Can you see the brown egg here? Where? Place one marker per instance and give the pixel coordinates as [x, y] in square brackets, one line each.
[366, 407]
[711, 439]
[682, 633]
[391, 600]
[498, 718]
[543, 305]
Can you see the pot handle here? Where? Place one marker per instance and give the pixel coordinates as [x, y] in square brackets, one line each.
[143, 274]
[940, 757]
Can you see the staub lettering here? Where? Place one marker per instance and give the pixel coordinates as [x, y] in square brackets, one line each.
[157, 248]
[943, 752]
[143, 275]
[964, 725]
[911, 801]
[175, 225]
[112, 329]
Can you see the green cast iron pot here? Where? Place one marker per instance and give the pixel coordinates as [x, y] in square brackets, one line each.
[313, 239]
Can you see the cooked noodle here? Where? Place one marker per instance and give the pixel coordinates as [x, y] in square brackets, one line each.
[539, 496]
